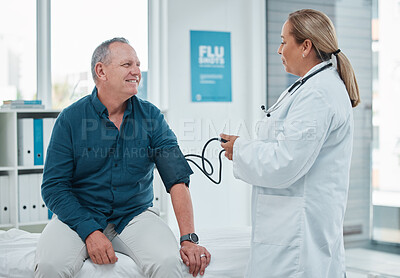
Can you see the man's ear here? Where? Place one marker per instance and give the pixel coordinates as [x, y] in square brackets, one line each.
[100, 71]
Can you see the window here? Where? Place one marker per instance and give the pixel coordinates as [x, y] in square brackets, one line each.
[18, 50]
[78, 27]
[386, 144]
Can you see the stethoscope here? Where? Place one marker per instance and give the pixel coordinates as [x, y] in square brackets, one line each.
[205, 161]
[295, 86]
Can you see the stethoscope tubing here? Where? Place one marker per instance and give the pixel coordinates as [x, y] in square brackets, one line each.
[204, 160]
[296, 85]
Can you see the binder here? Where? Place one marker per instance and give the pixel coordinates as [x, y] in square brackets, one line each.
[4, 200]
[33, 209]
[38, 141]
[33, 139]
[25, 142]
[48, 124]
[23, 198]
[43, 211]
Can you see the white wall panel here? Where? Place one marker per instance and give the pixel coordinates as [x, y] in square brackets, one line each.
[228, 204]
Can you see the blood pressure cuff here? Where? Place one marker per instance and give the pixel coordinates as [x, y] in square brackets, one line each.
[172, 166]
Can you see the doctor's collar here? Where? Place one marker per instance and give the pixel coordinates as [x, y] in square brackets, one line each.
[315, 68]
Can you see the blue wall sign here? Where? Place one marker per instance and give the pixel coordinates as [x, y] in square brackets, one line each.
[210, 66]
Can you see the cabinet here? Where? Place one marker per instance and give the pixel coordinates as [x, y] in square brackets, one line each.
[20, 178]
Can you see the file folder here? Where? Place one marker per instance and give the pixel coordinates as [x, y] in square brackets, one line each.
[25, 142]
[38, 141]
[43, 211]
[23, 198]
[4, 200]
[48, 124]
[33, 209]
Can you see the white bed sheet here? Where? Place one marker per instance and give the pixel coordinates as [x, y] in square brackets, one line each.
[230, 249]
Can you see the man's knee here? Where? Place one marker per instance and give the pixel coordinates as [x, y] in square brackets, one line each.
[168, 266]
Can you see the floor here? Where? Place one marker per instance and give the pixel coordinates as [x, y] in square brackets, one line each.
[373, 261]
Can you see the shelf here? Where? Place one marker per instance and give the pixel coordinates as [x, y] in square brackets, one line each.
[29, 110]
[43, 222]
[17, 176]
[34, 167]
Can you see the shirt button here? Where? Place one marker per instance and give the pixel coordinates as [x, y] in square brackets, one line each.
[116, 164]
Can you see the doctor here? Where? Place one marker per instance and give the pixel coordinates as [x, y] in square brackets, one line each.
[299, 164]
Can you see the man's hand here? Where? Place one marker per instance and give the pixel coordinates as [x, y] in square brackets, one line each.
[196, 257]
[228, 146]
[100, 249]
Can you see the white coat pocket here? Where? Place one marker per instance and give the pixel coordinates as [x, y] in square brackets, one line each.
[278, 220]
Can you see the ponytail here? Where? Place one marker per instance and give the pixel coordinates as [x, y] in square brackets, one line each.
[346, 73]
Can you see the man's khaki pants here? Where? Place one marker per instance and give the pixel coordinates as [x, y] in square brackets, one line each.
[146, 239]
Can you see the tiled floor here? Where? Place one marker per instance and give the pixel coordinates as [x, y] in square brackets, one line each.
[367, 263]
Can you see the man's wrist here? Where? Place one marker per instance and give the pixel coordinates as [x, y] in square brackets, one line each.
[191, 237]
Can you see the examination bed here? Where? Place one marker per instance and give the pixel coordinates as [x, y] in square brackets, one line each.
[230, 249]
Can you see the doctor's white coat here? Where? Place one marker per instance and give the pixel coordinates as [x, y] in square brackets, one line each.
[299, 167]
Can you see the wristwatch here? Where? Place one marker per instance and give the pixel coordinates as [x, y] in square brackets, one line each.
[192, 237]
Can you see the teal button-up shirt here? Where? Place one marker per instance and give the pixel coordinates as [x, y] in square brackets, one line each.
[95, 174]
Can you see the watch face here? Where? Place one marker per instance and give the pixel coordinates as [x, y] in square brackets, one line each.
[194, 237]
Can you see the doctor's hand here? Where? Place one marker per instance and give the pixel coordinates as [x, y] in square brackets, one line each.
[100, 249]
[228, 146]
[196, 257]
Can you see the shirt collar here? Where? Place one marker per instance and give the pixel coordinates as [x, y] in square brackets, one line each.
[98, 106]
[101, 109]
[129, 106]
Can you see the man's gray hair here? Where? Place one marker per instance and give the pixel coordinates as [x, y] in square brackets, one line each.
[102, 52]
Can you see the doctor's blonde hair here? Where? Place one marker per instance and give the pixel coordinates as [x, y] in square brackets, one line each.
[317, 27]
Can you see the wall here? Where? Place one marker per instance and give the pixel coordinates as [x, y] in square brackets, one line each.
[255, 28]
[227, 204]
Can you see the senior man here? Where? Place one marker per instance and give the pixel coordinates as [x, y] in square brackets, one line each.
[98, 179]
